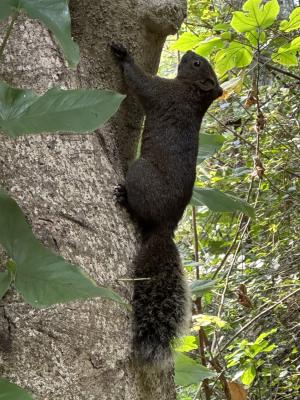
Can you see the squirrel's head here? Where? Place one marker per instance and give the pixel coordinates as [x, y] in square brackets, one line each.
[197, 70]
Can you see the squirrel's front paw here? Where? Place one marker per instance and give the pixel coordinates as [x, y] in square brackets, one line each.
[119, 51]
[120, 194]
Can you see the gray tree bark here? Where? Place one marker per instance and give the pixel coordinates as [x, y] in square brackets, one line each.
[64, 185]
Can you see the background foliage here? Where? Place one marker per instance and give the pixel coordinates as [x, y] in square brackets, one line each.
[244, 271]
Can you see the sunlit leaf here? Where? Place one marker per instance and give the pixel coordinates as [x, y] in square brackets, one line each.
[206, 320]
[220, 202]
[187, 41]
[263, 347]
[226, 35]
[205, 47]
[236, 55]
[287, 54]
[79, 110]
[255, 15]
[293, 22]
[188, 371]
[187, 343]
[248, 375]
[41, 276]
[256, 37]
[222, 27]
[10, 391]
[55, 15]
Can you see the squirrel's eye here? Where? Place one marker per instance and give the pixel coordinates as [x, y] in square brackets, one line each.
[197, 63]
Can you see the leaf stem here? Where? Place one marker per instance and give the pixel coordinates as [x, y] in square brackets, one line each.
[8, 32]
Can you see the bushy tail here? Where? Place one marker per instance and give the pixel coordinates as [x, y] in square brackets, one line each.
[160, 302]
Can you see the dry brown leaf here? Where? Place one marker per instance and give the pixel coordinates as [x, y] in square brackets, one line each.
[232, 86]
[243, 297]
[237, 391]
[259, 169]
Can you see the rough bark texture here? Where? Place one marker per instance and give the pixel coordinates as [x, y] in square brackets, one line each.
[64, 184]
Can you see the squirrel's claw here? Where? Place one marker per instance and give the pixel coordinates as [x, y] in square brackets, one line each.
[119, 51]
[120, 194]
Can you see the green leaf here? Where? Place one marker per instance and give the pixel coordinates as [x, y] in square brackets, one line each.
[222, 27]
[256, 37]
[42, 277]
[79, 110]
[55, 15]
[199, 288]
[255, 15]
[226, 36]
[220, 202]
[205, 47]
[293, 23]
[188, 371]
[187, 41]
[10, 391]
[287, 54]
[248, 375]
[263, 335]
[5, 281]
[209, 145]
[236, 55]
[7, 8]
[263, 347]
[207, 320]
[187, 343]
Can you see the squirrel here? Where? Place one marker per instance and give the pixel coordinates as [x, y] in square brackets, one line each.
[158, 186]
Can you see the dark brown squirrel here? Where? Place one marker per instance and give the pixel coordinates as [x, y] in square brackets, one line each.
[158, 186]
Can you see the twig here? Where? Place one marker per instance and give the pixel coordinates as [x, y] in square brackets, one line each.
[231, 268]
[255, 319]
[196, 242]
[280, 70]
[236, 235]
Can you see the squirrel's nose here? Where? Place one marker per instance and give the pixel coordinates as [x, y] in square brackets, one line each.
[220, 91]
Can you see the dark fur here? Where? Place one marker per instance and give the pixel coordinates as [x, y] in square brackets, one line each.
[157, 189]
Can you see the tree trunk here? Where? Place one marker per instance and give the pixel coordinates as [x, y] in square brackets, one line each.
[64, 185]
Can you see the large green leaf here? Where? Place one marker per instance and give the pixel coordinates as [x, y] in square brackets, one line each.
[209, 145]
[208, 45]
[293, 23]
[188, 371]
[55, 15]
[186, 344]
[236, 55]
[79, 110]
[5, 281]
[187, 41]
[199, 288]
[220, 202]
[287, 54]
[10, 391]
[42, 277]
[255, 15]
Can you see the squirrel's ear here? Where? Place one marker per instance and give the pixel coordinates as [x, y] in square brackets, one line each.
[206, 85]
